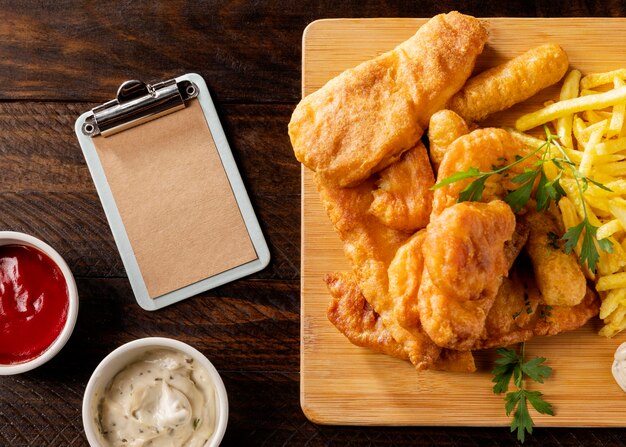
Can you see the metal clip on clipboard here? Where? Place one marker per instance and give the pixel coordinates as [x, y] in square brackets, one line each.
[177, 207]
[137, 103]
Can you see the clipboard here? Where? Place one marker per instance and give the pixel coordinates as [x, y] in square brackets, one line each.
[171, 191]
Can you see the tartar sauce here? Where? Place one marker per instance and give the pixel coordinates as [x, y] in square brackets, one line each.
[162, 399]
[619, 366]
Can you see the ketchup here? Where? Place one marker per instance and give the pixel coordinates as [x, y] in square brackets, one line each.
[34, 303]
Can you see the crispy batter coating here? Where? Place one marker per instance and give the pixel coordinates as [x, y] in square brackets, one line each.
[559, 276]
[352, 315]
[405, 277]
[445, 126]
[514, 81]
[464, 263]
[362, 120]
[482, 149]
[403, 198]
[370, 246]
[518, 313]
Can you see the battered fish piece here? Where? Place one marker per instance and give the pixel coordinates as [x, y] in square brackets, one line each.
[349, 312]
[352, 315]
[370, 246]
[365, 118]
[445, 127]
[405, 277]
[518, 313]
[515, 81]
[403, 198]
[464, 264]
[559, 276]
[482, 149]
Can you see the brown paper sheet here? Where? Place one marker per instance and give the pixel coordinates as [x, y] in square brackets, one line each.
[175, 200]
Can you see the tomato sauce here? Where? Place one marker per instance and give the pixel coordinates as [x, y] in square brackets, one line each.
[34, 303]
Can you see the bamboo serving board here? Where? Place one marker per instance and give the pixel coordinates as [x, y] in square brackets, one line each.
[345, 384]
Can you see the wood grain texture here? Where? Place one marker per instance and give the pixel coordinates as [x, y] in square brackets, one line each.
[344, 384]
[57, 59]
[246, 51]
[46, 189]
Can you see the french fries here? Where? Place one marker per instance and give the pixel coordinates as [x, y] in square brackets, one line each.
[589, 119]
[570, 106]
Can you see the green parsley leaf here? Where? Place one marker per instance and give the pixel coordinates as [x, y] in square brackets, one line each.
[458, 176]
[588, 253]
[535, 370]
[520, 196]
[474, 191]
[522, 422]
[504, 370]
[571, 237]
[543, 407]
[546, 192]
[511, 364]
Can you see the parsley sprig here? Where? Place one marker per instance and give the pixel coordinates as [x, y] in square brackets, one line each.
[511, 364]
[547, 191]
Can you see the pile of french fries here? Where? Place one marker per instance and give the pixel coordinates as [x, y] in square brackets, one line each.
[589, 120]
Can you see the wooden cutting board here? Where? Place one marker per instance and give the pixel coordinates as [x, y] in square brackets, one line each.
[345, 384]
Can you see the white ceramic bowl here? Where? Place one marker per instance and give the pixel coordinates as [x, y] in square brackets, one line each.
[15, 238]
[126, 354]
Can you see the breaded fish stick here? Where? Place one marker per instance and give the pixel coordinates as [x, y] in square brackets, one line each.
[559, 276]
[500, 87]
[445, 127]
[364, 119]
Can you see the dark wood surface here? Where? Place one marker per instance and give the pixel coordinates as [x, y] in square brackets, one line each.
[60, 58]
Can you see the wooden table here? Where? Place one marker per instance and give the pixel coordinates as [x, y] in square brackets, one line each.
[60, 59]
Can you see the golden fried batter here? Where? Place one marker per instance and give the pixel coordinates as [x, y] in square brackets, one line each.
[403, 198]
[352, 315]
[370, 246]
[516, 80]
[362, 120]
[349, 312]
[464, 263]
[482, 149]
[445, 126]
[518, 313]
[559, 276]
[405, 277]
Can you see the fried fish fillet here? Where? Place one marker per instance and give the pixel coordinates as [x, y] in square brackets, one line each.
[352, 315]
[362, 120]
[349, 312]
[512, 82]
[464, 263]
[445, 126]
[481, 149]
[403, 197]
[370, 246]
[519, 313]
[405, 277]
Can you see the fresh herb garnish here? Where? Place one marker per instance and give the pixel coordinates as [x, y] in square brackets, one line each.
[553, 240]
[546, 192]
[511, 364]
[546, 313]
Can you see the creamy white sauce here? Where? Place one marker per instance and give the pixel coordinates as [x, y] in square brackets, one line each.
[162, 399]
[619, 366]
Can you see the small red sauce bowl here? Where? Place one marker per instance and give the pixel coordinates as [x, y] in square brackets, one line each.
[35, 281]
